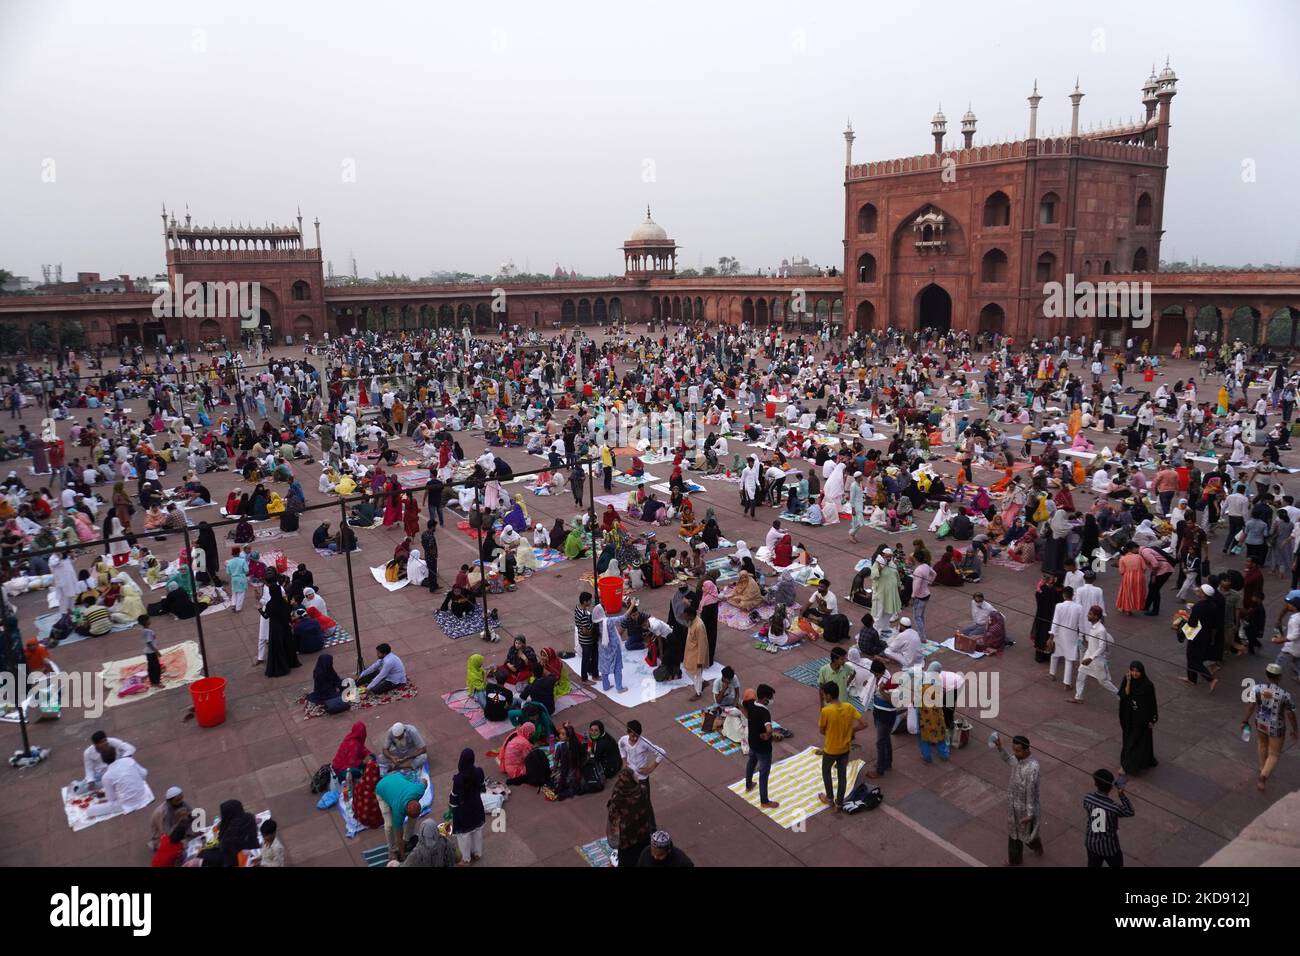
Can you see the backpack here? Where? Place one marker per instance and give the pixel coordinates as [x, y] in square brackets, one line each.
[662, 674]
[593, 778]
[537, 768]
[863, 797]
[498, 703]
[321, 779]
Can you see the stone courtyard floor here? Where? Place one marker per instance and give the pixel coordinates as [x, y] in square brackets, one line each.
[947, 814]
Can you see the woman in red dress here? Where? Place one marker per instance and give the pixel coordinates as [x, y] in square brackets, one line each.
[1133, 581]
[411, 519]
[392, 505]
[365, 805]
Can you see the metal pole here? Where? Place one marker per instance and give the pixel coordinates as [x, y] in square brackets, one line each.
[194, 589]
[591, 521]
[482, 563]
[344, 531]
[15, 647]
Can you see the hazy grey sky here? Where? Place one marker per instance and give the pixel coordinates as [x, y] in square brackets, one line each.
[487, 132]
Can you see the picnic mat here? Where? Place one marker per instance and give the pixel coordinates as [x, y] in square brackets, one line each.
[458, 627]
[806, 673]
[761, 643]
[367, 701]
[950, 645]
[645, 478]
[77, 808]
[181, 665]
[722, 564]
[547, 557]
[325, 553]
[640, 680]
[416, 478]
[597, 852]
[341, 636]
[739, 620]
[45, 623]
[723, 745]
[794, 783]
[378, 575]
[271, 534]
[691, 488]
[467, 707]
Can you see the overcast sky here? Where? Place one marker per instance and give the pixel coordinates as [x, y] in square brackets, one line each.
[538, 132]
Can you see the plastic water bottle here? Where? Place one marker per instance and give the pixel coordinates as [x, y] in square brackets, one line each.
[1245, 734]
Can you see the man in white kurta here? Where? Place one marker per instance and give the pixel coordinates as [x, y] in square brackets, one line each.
[65, 581]
[1068, 623]
[124, 788]
[1096, 656]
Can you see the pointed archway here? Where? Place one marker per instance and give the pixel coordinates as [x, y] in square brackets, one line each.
[934, 310]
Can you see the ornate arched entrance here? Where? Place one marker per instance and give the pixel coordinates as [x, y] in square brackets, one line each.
[934, 310]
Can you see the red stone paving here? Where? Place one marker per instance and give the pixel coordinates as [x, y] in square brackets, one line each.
[1202, 794]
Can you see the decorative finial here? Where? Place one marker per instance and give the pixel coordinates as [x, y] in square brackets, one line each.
[647, 212]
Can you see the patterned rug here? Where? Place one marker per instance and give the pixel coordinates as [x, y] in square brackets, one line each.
[634, 482]
[794, 783]
[376, 855]
[458, 627]
[548, 557]
[723, 745]
[467, 707]
[341, 636]
[722, 564]
[739, 620]
[806, 673]
[596, 853]
[761, 643]
[367, 701]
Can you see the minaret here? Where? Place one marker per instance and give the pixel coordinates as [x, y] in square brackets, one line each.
[1034, 100]
[317, 225]
[938, 126]
[1149, 94]
[848, 143]
[1075, 97]
[300, 225]
[1165, 92]
[968, 128]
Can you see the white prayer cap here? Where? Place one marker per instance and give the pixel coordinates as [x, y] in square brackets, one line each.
[905, 621]
[1206, 589]
[172, 793]
[398, 729]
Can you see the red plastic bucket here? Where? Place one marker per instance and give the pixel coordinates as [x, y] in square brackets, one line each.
[209, 695]
[1184, 477]
[770, 409]
[611, 594]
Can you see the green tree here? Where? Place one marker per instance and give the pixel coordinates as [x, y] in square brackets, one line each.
[709, 271]
[5, 276]
[11, 339]
[727, 266]
[41, 337]
[71, 335]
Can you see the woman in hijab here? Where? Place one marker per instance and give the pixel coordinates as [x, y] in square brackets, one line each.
[517, 516]
[207, 543]
[244, 531]
[281, 652]
[467, 815]
[833, 495]
[994, 637]
[945, 570]
[608, 518]
[608, 554]
[1137, 720]
[417, 569]
[631, 818]
[886, 599]
[745, 593]
[558, 534]
[236, 832]
[518, 744]
[257, 504]
[573, 544]
[1046, 597]
[476, 679]
[177, 603]
[326, 684]
[709, 599]
[431, 848]
[365, 805]
[352, 753]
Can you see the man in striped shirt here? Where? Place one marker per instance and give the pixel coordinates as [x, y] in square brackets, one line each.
[1101, 831]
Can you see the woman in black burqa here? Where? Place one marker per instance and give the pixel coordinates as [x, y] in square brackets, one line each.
[207, 543]
[1137, 719]
[237, 830]
[282, 652]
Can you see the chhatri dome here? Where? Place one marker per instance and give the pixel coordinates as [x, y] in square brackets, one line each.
[649, 251]
[648, 231]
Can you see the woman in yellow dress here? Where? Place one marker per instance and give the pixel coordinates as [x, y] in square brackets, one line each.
[689, 526]
[1223, 400]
